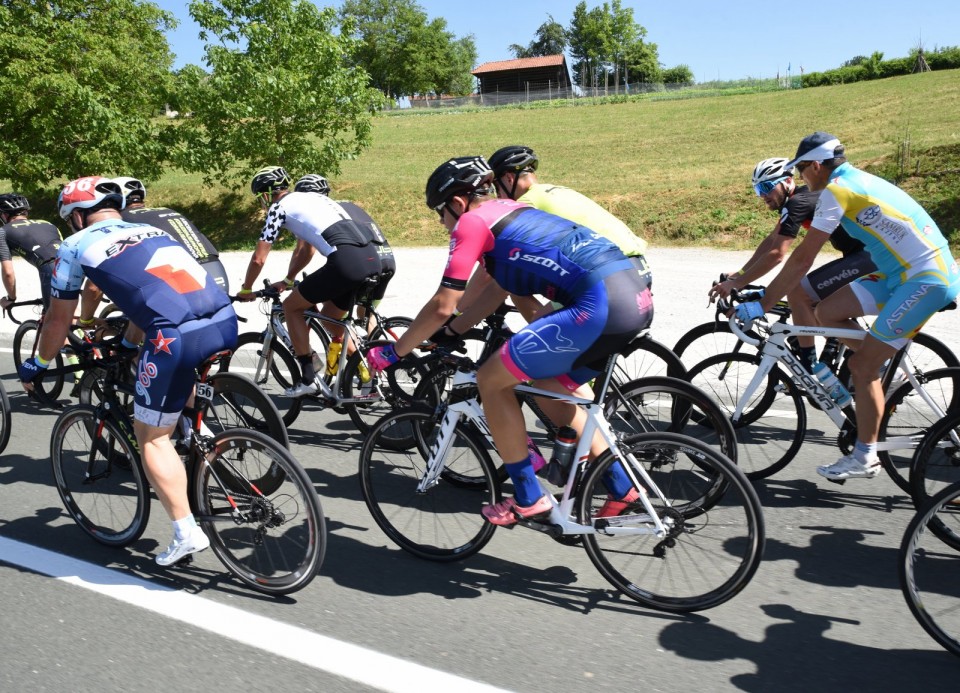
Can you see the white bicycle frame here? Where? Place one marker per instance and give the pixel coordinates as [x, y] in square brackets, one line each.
[561, 512]
[774, 349]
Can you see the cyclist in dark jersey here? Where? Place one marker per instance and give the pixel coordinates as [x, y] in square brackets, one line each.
[774, 184]
[163, 290]
[527, 251]
[35, 241]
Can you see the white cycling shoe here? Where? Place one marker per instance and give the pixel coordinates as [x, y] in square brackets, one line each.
[849, 467]
[192, 543]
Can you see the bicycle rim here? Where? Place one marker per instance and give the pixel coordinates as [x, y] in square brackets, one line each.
[714, 518]
[273, 542]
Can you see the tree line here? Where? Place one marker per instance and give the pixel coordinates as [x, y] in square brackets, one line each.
[863, 67]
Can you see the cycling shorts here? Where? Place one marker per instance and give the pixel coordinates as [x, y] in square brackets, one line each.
[342, 276]
[572, 344]
[902, 308]
[826, 279]
[46, 276]
[166, 369]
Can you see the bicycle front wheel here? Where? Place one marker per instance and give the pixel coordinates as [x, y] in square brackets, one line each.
[442, 523]
[774, 420]
[5, 421]
[271, 541]
[714, 521]
[272, 368]
[928, 569]
[49, 383]
[99, 478]
[936, 465]
[646, 357]
[239, 403]
[708, 339]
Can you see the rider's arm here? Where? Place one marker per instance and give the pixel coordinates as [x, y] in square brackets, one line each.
[257, 261]
[795, 268]
[774, 249]
[433, 314]
[56, 324]
[481, 307]
[300, 258]
[9, 279]
[90, 298]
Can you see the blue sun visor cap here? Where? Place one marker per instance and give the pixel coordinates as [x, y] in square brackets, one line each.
[819, 146]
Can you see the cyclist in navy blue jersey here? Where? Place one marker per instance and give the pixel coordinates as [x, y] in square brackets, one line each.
[34, 240]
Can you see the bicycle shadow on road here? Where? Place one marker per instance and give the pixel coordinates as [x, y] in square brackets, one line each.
[800, 493]
[796, 655]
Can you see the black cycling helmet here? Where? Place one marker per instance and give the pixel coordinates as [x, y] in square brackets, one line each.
[11, 203]
[270, 179]
[513, 159]
[470, 175]
[313, 182]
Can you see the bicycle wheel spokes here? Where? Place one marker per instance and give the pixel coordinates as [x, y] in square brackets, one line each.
[714, 520]
[273, 541]
[99, 478]
[273, 371]
[771, 429]
[928, 568]
[443, 523]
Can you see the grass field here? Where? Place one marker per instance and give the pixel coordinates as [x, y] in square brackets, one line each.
[677, 171]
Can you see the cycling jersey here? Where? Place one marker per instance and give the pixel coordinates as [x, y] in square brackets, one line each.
[178, 226]
[316, 219]
[797, 211]
[388, 263]
[35, 241]
[572, 205]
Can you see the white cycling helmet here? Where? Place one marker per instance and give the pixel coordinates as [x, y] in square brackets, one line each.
[768, 173]
[133, 189]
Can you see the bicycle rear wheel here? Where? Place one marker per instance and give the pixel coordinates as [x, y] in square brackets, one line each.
[273, 369]
[444, 522]
[715, 535]
[907, 418]
[5, 419]
[99, 478]
[49, 383]
[708, 339]
[646, 357]
[271, 541]
[928, 569]
[936, 465]
[771, 429]
[239, 403]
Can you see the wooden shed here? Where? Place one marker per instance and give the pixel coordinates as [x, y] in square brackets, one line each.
[524, 74]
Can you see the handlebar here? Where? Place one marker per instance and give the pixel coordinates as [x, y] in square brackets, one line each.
[741, 333]
[9, 309]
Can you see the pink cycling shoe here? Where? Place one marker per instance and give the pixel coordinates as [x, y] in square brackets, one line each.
[505, 512]
[612, 508]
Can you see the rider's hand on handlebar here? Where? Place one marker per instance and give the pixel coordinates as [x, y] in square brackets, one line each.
[246, 295]
[724, 287]
[749, 311]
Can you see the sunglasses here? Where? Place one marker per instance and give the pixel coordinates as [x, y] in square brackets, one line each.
[767, 186]
[803, 166]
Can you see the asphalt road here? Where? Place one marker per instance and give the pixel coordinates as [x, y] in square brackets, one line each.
[823, 612]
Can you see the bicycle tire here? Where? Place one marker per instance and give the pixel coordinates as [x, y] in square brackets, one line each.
[239, 403]
[390, 329]
[707, 339]
[48, 383]
[928, 571]
[765, 444]
[936, 465]
[716, 528]
[670, 405]
[111, 503]
[646, 357]
[273, 372]
[5, 418]
[908, 417]
[444, 523]
[273, 542]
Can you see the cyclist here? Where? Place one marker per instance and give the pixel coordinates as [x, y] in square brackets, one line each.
[315, 183]
[528, 251]
[186, 316]
[321, 224]
[774, 184]
[182, 229]
[35, 241]
[916, 276]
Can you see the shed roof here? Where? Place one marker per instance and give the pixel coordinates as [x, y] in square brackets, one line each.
[519, 64]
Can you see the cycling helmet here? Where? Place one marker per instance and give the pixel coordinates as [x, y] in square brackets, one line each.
[10, 203]
[88, 193]
[768, 173]
[462, 175]
[270, 179]
[133, 189]
[513, 159]
[313, 182]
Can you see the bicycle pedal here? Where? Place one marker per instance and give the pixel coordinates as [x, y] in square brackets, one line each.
[839, 482]
[185, 561]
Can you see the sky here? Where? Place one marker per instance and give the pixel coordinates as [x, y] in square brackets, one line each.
[716, 39]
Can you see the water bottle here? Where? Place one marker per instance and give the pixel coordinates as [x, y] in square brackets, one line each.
[333, 357]
[564, 448]
[838, 393]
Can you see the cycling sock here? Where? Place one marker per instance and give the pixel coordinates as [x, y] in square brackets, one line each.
[617, 481]
[808, 355]
[526, 488]
[866, 453]
[184, 526]
[306, 368]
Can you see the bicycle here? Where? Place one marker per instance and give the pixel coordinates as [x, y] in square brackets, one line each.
[426, 472]
[268, 358]
[251, 497]
[6, 421]
[928, 569]
[761, 397]
[936, 462]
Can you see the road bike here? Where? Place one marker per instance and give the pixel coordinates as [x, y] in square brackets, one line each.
[928, 566]
[766, 402]
[936, 461]
[251, 497]
[692, 540]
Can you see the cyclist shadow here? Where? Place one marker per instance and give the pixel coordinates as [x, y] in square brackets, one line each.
[800, 493]
[385, 571]
[826, 664]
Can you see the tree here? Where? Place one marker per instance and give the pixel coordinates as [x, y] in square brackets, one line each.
[278, 91]
[404, 53]
[607, 42]
[681, 74]
[551, 39]
[83, 82]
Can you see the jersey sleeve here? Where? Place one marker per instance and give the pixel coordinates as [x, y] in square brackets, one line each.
[469, 240]
[67, 271]
[4, 248]
[829, 212]
[276, 218]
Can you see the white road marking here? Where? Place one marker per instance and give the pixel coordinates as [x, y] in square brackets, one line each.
[350, 662]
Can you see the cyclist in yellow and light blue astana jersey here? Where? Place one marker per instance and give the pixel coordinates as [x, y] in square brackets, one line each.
[916, 276]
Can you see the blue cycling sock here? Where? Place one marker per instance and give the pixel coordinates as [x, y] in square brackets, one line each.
[526, 488]
[617, 481]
